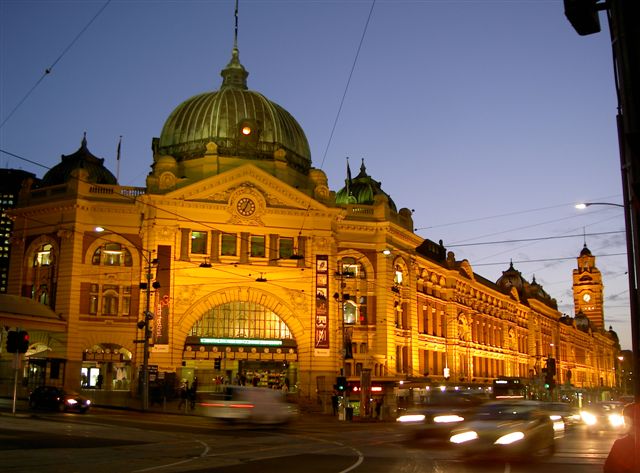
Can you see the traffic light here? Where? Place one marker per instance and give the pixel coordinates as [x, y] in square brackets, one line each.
[17, 341]
[583, 15]
[341, 384]
[23, 341]
[12, 342]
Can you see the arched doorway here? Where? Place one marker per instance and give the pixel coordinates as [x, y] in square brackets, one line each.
[106, 366]
[240, 342]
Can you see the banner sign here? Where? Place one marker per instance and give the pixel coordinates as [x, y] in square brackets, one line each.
[321, 327]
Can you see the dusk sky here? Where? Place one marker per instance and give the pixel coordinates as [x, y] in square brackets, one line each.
[489, 119]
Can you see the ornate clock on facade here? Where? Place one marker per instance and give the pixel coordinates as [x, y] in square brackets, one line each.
[586, 297]
[246, 206]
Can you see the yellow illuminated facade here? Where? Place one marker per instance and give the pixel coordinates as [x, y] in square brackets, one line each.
[250, 269]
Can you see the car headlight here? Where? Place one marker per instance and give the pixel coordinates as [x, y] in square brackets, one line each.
[411, 418]
[616, 420]
[588, 418]
[510, 438]
[446, 419]
[72, 402]
[463, 437]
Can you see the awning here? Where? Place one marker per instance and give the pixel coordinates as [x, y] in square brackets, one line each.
[27, 314]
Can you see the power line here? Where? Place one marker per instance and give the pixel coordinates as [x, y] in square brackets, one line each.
[48, 70]
[533, 239]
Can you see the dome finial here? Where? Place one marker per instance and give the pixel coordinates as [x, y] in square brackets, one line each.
[235, 75]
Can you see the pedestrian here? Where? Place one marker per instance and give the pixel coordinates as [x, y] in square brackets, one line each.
[192, 393]
[334, 403]
[378, 408]
[99, 381]
[182, 393]
[624, 457]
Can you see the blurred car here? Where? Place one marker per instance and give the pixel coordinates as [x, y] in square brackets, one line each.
[54, 398]
[515, 429]
[563, 415]
[248, 404]
[438, 414]
[603, 416]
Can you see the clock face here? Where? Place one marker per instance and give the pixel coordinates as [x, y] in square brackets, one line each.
[586, 298]
[246, 206]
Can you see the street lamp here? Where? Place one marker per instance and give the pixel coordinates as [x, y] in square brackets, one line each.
[633, 262]
[148, 316]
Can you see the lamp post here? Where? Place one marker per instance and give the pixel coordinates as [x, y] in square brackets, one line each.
[148, 316]
[633, 271]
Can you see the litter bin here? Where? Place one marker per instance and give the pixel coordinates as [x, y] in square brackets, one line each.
[349, 413]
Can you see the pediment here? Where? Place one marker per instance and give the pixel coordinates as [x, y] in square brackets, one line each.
[246, 180]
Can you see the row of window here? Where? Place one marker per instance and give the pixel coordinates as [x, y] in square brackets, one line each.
[229, 245]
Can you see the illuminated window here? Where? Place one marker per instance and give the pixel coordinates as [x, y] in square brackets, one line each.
[241, 318]
[43, 256]
[397, 277]
[199, 243]
[112, 254]
[351, 268]
[350, 312]
[228, 245]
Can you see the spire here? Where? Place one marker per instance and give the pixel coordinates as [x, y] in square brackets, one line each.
[235, 75]
[348, 182]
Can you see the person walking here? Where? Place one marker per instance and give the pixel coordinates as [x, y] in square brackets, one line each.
[182, 393]
[624, 456]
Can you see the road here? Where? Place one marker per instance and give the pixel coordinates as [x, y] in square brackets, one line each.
[129, 441]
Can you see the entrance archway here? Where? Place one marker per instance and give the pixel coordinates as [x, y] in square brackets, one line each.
[240, 342]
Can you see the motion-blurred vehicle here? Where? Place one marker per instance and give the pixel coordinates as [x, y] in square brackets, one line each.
[248, 404]
[440, 412]
[54, 398]
[563, 415]
[603, 416]
[514, 429]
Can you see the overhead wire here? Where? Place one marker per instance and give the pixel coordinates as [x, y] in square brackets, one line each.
[49, 69]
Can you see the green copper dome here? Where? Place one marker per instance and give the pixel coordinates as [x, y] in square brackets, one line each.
[361, 190]
[239, 121]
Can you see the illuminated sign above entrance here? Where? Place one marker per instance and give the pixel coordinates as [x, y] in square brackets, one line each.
[241, 341]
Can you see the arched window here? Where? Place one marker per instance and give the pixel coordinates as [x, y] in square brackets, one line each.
[112, 254]
[44, 255]
[350, 312]
[241, 319]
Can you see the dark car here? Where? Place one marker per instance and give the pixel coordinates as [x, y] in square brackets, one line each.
[516, 429]
[57, 399]
[438, 414]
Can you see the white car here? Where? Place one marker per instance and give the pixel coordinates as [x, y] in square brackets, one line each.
[249, 404]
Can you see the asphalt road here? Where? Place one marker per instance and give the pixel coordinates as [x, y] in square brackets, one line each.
[129, 441]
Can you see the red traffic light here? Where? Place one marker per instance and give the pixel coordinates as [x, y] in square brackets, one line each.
[23, 341]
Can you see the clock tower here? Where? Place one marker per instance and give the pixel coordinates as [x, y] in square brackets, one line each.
[588, 290]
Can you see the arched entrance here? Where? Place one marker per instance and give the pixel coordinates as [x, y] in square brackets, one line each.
[240, 342]
[106, 366]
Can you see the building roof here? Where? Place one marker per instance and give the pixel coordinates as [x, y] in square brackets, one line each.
[81, 159]
[240, 122]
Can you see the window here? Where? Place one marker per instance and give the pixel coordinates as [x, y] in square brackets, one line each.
[112, 254]
[110, 300]
[397, 277]
[43, 256]
[285, 248]
[351, 268]
[257, 246]
[93, 299]
[350, 312]
[199, 243]
[228, 246]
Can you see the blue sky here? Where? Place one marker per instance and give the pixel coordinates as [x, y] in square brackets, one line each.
[489, 119]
